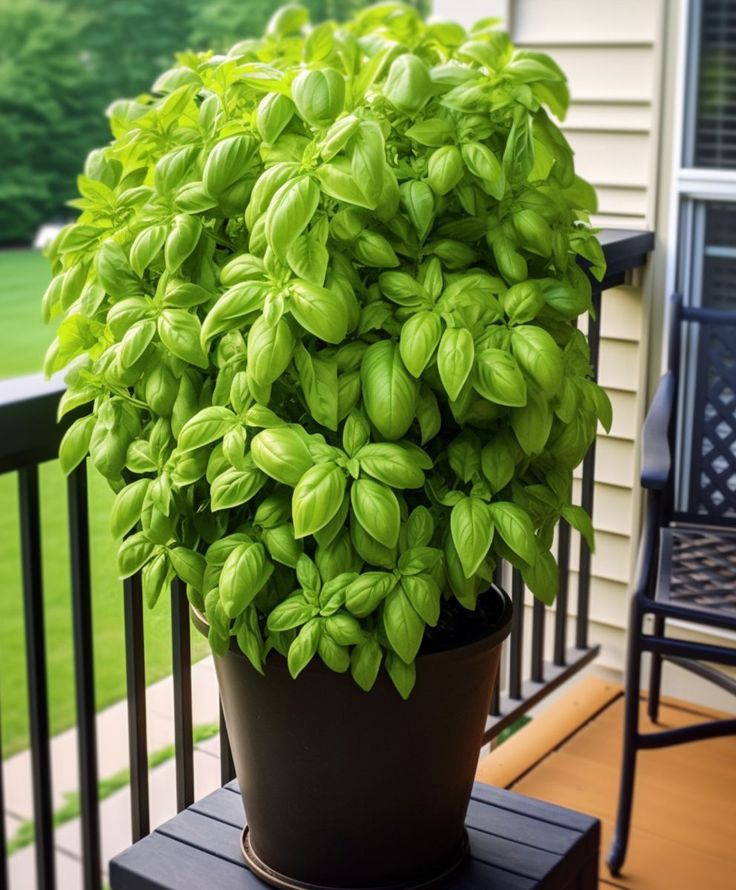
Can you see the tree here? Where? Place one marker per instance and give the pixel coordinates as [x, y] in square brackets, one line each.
[45, 113]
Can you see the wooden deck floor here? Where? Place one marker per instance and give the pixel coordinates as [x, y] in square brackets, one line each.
[684, 823]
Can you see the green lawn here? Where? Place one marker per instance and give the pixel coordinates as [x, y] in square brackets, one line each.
[23, 340]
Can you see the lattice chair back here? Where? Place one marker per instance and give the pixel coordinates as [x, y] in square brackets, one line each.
[705, 343]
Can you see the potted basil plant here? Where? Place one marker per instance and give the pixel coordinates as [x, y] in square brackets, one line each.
[321, 303]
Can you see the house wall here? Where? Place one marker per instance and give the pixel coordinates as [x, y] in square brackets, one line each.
[620, 60]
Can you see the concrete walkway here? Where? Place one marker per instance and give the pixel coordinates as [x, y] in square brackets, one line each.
[112, 749]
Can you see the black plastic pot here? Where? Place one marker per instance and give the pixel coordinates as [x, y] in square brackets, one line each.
[348, 789]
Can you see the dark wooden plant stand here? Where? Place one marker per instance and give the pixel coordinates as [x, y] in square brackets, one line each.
[516, 842]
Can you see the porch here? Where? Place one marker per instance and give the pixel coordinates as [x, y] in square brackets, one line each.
[685, 798]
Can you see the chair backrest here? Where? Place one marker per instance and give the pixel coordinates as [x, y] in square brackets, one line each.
[703, 357]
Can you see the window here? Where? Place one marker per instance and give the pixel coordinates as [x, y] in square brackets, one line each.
[714, 138]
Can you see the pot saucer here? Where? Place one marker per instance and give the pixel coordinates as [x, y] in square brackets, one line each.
[276, 879]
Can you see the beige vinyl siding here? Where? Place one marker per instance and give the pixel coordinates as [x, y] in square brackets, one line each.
[610, 52]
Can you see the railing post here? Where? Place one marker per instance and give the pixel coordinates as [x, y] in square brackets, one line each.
[84, 677]
[136, 685]
[588, 488]
[182, 668]
[30, 533]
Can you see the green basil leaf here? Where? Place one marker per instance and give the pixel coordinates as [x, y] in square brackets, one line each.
[532, 424]
[232, 308]
[208, 425]
[281, 454]
[319, 311]
[390, 464]
[270, 348]
[497, 377]
[235, 487]
[522, 302]
[407, 86]
[368, 159]
[319, 95]
[419, 338]
[365, 663]
[180, 332]
[282, 545]
[368, 591]
[181, 240]
[389, 392]
[404, 627]
[289, 213]
[317, 497]
[471, 524]
[337, 181]
[539, 357]
[189, 566]
[424, 596]
[376, 508]
[250, 639]
[146, 248]
[244, 573]
[542, 577]
[344, 629]
[318, 378]
[155, 577]
[293, 612]
[579, 519]
[308, 259]
[226, 162]
[445, 169]
[455, 359]
[335, 656]
[128, 506]
[403, 676]
[515, 528]
[498, 461]
[481, 162]
[304, 647]
[75, 444]
[133, 554]
[418, 199]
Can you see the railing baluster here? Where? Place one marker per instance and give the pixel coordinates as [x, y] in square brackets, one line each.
[30, 533]
[3, 857]
[84, 677]
[495, 709]
[136, 686]
[182, 667]
[587, 490]
[227, 767]
[517, 636]
[538, 621]
[563, 560]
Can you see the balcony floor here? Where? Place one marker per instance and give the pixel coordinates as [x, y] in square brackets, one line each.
[684, 823]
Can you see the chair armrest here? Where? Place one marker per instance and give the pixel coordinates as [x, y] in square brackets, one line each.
[656, 457]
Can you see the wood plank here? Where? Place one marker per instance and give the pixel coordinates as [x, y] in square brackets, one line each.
[675, 843]
[222, 805]
[210, 836]
[543, 810]
[169, 864]
[533, 832]
[549, 729]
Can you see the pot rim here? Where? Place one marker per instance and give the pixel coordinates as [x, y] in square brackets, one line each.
[496, 636]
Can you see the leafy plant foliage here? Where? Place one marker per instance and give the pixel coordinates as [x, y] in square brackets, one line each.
[322, 300]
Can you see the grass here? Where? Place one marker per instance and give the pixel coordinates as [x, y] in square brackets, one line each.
[26, 833]
[23, 340]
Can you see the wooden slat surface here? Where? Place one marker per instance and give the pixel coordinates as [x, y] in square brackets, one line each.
[684, 823]
[516, 844]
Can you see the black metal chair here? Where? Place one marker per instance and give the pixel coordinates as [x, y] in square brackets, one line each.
[687, 557]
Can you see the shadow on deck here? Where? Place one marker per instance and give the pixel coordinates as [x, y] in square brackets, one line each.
[684, 823]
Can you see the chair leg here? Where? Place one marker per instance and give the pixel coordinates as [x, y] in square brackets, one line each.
[617, 852]
[655, 675]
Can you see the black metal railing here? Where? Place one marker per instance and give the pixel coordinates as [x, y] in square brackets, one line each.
[30, 435]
